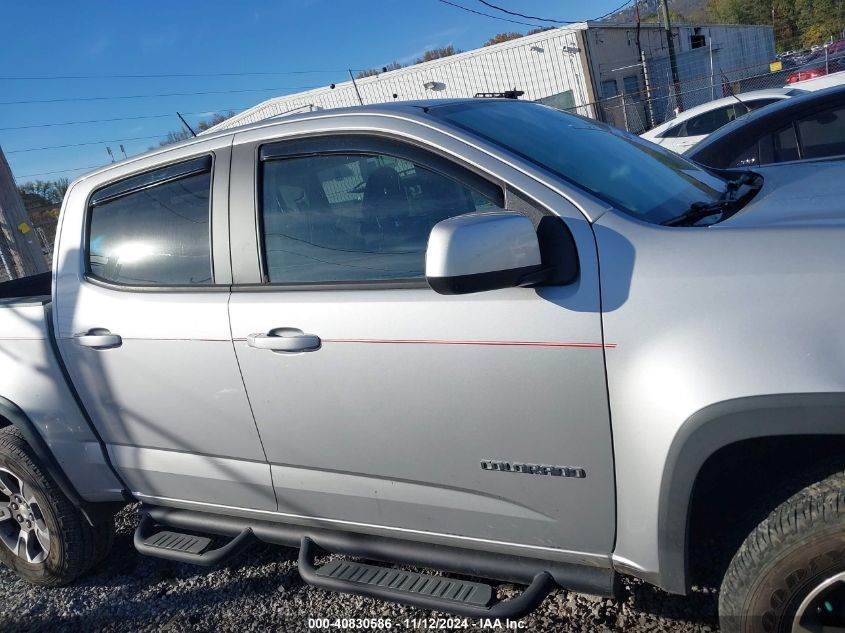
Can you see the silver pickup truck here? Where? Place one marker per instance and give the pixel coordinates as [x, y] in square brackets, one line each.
[482, 337]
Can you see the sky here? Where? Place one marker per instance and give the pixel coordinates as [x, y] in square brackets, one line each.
[58, 60]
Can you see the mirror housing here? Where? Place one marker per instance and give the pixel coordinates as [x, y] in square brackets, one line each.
[483, 251]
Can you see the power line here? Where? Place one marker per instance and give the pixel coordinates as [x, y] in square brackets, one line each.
[497, 17]
[58, 171]
[128, 118]
[522, 15]
[124, 140]
[163, 75]
[609, 13]
[167, 94]
[487, 15]
[115, 140]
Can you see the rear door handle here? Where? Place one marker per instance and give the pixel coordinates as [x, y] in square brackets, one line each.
[99, 338]
[285, 339]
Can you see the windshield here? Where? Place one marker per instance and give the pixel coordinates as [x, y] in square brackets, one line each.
[625, 171]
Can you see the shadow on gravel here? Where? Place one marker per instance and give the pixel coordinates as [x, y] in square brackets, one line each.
[699, 607]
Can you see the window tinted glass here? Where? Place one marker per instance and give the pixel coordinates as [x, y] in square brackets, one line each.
[711, 121]
[756, 104]
[354, 217]
[673, 132]
[779, 147]
[632, 174]
[823, 134]
[562, 101]
[785, 145]
[749, 156]
[157, 235]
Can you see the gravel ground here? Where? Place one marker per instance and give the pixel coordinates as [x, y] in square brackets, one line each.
[261, 590]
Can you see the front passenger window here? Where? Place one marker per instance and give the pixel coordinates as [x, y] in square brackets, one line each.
[354, 217]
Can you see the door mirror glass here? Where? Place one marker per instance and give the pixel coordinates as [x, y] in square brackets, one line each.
[475, 252]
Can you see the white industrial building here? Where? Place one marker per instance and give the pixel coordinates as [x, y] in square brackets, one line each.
[573, 68]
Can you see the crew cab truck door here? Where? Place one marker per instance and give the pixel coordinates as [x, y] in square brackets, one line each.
[142, 322]
[387, 408]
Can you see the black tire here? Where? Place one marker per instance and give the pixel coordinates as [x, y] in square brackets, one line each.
[788, 556]
[74, 545]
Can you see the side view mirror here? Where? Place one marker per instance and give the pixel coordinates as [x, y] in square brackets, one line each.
[483, 251]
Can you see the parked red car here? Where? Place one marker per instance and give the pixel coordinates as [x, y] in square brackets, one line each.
[821, 64]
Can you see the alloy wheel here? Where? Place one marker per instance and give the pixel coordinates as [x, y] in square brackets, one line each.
[823, 610]
[23, 529]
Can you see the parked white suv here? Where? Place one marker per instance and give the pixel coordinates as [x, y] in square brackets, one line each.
[693, 125]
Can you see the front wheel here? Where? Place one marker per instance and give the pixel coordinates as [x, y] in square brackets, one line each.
[789, 574]
[44, 538]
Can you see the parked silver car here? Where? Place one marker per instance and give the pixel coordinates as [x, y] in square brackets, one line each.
[480, 336]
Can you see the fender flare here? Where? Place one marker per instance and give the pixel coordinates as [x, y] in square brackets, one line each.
[13, 414]
[712, 428]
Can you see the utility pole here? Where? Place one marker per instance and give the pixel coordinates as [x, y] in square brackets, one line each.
[652, 120]
[673, 62]
[20, 247]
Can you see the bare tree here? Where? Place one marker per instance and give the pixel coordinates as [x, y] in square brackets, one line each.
[181, 135]
[370, 72]
[437, 53]
[502, 37]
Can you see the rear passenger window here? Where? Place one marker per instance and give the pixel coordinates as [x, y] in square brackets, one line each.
[354, 217]
[711, 121]
[756, 104]
[153, 229]
[674, 132]
[823, 134]
[779, 147]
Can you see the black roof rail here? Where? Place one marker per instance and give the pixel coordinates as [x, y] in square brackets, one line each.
[507, 94]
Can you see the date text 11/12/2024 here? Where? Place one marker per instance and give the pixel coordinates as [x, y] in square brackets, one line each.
[414, 624]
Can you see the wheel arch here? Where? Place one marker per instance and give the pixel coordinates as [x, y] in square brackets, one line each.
[12, 414]
[713, 428]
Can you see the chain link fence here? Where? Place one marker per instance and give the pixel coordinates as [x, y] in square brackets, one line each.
[701, 79]
[44, 221]
[5, 269]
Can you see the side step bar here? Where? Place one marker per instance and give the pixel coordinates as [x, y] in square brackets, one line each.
[469, 599]
[465, 598]
[590, 579]
[186, 548]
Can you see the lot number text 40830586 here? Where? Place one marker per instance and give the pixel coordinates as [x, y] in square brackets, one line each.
[414, 624]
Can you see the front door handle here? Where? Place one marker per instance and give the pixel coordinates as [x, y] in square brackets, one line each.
[99, 338]
[285, 339]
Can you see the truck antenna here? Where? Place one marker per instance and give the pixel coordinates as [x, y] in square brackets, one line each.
[190, 129]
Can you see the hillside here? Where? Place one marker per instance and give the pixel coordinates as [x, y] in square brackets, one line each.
[680, 11]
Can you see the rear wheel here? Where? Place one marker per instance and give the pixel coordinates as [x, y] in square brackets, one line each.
[44, 538]
[789, 574]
